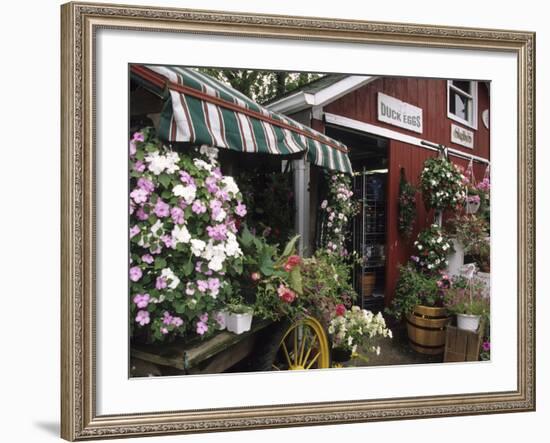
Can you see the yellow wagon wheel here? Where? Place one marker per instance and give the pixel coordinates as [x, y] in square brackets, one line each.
[304, 345]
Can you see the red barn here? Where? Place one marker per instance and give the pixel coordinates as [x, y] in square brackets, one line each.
[390, 125]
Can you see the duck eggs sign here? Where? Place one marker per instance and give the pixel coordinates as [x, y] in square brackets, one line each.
[398, 113]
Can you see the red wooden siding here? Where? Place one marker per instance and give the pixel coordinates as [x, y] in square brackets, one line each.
[431, 96]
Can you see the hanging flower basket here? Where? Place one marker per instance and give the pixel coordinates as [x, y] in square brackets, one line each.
[442, 184]
[473, 202]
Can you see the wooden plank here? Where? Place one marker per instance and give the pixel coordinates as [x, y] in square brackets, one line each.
[461, 345]
[183, 354]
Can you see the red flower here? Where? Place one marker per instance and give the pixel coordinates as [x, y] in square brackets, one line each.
[286, 294]
[340, 310]
[291, 262]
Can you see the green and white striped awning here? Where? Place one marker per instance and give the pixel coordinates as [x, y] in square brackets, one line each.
[202, 110]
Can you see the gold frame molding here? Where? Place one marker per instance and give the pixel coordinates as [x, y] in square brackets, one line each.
[79, 22]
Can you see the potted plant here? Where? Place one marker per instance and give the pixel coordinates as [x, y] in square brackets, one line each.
[238, 317]
[465, 298]
[473, 202]
[418, 300]
[351, 331]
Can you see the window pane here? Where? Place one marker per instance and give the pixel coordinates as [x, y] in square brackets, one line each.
[463, 85]
[459, 105]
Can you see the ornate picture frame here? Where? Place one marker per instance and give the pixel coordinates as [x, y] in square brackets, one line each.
[80, 23]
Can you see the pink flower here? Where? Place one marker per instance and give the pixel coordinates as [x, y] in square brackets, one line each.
[168, 241]
[139, 166]
[204, 317]
[163, 330]
[146, 184]
[211, 185]
[138, 137]
[142, 318]
[286, 294]
[198, 207]
[139, 195]
[340, 310]
[240, 210]
[202, 328]
[177, 215]
[141, 300]
[167, 318]
[291, 262]
[133, 148]
[177, 321]
[161, 209]
[186, 178]
[220, 319]
[160, 283]
[255, 276]
[486, 346]
[147, 258]
[218, 232]
[135, 273]
[134, 230]
[141, 214]
[214, 286]
[202, 285]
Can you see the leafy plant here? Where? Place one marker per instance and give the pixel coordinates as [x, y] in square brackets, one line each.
[442, 184]
[414, 288]
[407, 207]
[431, 249]
[465, 296]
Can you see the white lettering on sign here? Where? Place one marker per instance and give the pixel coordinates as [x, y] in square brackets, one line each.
[398, 113]
[462, 136]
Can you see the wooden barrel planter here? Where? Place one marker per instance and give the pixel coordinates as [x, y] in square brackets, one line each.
[368, 280]
[426, 329]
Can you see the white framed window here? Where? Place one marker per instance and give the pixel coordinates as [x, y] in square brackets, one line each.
[462, 102]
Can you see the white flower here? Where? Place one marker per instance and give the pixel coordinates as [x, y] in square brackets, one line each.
[220, 215]
[181, 234]
[170, 277]
[230, 186]
[201, 164]
[232, 248]
[197, 246]
[210, 152]
[419, 247]
[158, 163]
[171, 162]
[439, 239]
[187, 192]
[157, 229]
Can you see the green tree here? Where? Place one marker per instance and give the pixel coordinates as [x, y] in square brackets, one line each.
[261, 86]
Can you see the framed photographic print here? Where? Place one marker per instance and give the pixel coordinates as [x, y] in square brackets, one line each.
[256, 208]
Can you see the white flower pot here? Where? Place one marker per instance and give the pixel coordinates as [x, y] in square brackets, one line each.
[467, 322]
[238, 323]
[455, 259]
[472, 207]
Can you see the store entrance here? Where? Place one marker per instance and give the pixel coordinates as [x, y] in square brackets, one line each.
[369, 159]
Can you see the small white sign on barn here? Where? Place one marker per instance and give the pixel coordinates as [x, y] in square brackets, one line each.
[462, 136]
[398, 113]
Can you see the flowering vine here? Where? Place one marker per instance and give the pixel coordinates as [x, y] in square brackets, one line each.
[184, 215]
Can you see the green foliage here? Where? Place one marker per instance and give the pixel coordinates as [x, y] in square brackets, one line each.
[407, 207]
[466, 297]
[414, 288]
[261, 86]
[442, 184]
[431, 248]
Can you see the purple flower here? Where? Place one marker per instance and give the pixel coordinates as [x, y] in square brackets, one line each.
[167, 318]
[204, 318]
[139, 166]
[164, 330]
[161, 209]
[160, 283]
[211, 185]
[177, 215]
[240, 210]
[198, 266]
[218, 232]
[186, 178]
[217, 173]
[147, 258]
[134, 230]
[486, 346]
[142, 318]
[138, 137]
[168, 241]
[139, 195]
[220, 318]
[202, 328]
[198, 207]
[133, 148]
[214, 286]
[145, 184]
[142, 300]
[415, 258]
[135, 273]
[202, 285]
[177, 321]
[141, 214]
[222, 195]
